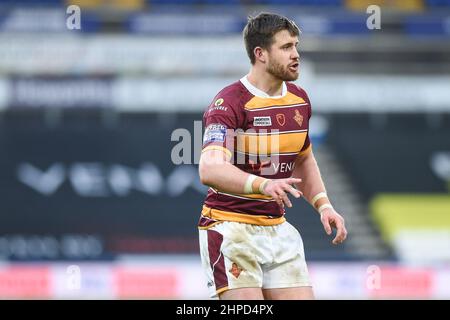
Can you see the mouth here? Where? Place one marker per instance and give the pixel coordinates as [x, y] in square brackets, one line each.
[294, 67]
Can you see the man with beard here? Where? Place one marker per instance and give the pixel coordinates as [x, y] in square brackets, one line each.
[256, 151]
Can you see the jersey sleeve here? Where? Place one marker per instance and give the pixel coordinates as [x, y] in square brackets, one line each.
[220, 121]
[307, 146]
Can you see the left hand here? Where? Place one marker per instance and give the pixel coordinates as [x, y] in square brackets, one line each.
[331, 219]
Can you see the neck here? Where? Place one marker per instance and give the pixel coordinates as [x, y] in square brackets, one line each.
[266, 82]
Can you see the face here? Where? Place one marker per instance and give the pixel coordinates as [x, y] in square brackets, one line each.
[283, 58]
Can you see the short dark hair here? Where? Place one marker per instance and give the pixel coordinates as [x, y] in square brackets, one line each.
[260, 30]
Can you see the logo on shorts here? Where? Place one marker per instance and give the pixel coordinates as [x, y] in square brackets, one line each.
[235, 270]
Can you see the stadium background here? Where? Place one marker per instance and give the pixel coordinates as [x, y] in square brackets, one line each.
[92, 205]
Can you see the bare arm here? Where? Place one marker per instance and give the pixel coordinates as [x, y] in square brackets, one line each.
[216, 171]
[307, 169]
[312, 184]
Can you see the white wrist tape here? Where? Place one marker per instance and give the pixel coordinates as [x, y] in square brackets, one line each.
[248, 188]
[324, 206]
[262, 185]
[318, 196]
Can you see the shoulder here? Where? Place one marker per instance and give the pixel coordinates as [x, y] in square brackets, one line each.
[226, 107]
[231, 95]
[229, 101]
[297, 90]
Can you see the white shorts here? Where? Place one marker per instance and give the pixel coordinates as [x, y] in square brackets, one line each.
[240, 255]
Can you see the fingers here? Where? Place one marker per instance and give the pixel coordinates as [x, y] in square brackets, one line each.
[326, 224]
[296, 193]
[278, 199]
[334, 220]
[291, 181]
[341, 233]
[275, 194]
[286, 188]
[284, 198]
[279, 190]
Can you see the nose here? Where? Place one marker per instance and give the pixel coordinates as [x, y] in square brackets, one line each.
[295, 54]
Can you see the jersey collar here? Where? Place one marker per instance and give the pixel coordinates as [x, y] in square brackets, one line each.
[259, 93]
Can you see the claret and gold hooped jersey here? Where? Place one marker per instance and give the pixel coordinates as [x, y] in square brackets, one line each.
[263, 135]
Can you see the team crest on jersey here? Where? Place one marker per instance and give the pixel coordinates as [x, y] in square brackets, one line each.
[281, 119]
[262, 121]
[298, 118]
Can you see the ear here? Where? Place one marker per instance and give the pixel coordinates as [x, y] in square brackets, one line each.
[260, 54]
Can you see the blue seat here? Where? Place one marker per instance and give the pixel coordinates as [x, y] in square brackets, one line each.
[34, 2]
[305, 2]
[425, 26]
[436, 3]
[187, 2]
[223, 2]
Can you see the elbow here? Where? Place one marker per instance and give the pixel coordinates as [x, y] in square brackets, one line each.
[205, 174]
[210, 167]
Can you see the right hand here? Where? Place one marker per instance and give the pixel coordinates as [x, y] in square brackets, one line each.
[278, 189]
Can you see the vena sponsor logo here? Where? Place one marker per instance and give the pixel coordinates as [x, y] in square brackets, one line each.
[283, 167]
[97, 179]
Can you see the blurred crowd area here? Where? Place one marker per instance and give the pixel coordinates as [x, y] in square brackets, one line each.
[92, 91]
[190, 49]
